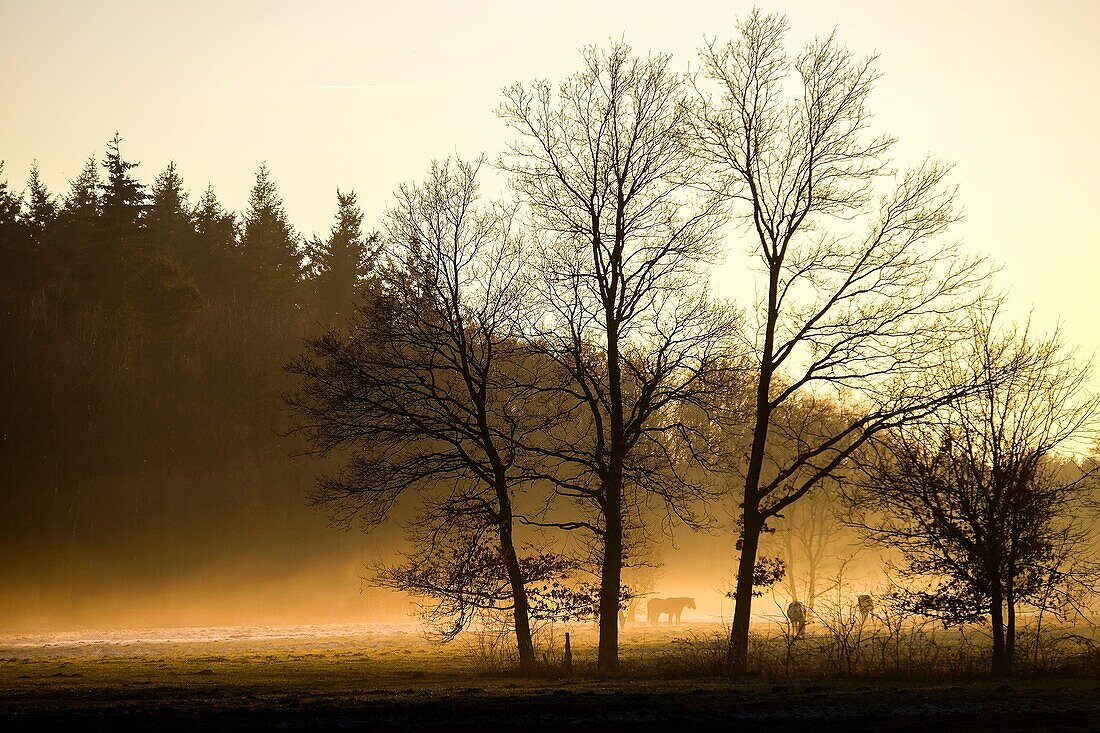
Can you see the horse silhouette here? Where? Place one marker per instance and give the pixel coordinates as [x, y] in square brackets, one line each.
[672, 606]
[866, 605]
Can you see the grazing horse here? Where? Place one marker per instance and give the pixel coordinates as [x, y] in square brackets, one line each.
[796, 616]
[672, 606]
[866, 606]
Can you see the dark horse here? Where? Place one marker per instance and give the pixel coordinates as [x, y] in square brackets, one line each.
[672, 606]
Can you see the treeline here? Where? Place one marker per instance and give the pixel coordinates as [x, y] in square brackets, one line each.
[144, 331]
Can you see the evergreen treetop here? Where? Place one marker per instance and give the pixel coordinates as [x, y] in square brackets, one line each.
[41, 208]
[269, 243]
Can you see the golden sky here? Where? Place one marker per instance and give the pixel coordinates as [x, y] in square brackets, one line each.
[364, 94]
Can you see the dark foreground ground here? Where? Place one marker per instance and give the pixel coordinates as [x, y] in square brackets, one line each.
[582, 707]
[474, 705]
[380, 683]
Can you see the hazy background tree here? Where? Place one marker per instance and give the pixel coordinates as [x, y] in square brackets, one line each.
[858, 291]
[340, 264]
[269, 244]
[138, 437]
[810, 540]
[985, 512]
[216, 263]
[41, 209]
[11, 208]
[168, 224]
[76, 229]
[623, 245]
[123, 200]
[641, 575]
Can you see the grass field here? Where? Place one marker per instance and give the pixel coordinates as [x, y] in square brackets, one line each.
[391, 678]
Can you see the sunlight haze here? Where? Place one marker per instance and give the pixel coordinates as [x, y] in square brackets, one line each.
[567, 365]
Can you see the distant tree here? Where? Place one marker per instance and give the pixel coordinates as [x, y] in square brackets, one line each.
[122, 204]
[217, 265]
[640, 576]
[269, 244]
[117, 231]
[41, 209]
[75, 259]
[420, 394]
[623, 240]
[17, 254]
[129, 271]
[860, 295]
[168, 225]
[11, 229]
[82, 204]
[975, 498]
[341, 263]
[808, 534]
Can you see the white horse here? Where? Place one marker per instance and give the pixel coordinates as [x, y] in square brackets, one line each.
[796, 616]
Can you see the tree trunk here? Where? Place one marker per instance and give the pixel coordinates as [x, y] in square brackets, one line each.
[1010, 631]
[737, 659]
[610, 583]
[521, 613]
[611, 572]
[1038, 635]
[996, 615]
[811, 587]
[521, 610]
[792, 582]
[738, 653]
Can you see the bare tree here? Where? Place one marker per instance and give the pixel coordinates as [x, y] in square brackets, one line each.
[806, 534]
[420, 392]
[985, 513]
[641, 574]
[599, 161]
[859, 296]
[809, 534]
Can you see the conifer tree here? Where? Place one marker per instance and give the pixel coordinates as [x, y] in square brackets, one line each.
[132, 272]
[217, 265]
[11, 204]
[168, 226]
[269, 244]
[108, 258]
[341, 263]
[77, 218]
[124, 200]
[83, 202]
[11, 233]
[41, 208]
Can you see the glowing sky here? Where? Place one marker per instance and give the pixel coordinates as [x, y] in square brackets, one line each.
[364, 94]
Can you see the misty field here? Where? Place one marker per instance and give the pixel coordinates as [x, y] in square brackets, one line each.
[391, 677]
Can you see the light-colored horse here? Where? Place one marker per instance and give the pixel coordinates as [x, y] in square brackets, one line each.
[796, 615]
[672, 606]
